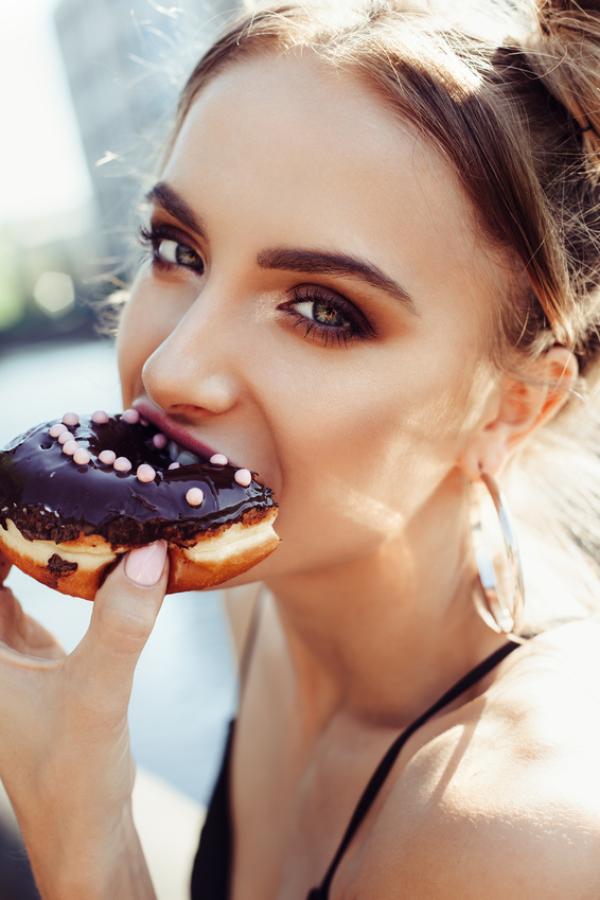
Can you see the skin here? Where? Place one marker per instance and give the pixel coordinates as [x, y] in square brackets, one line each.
[65, 756]
[370, 448]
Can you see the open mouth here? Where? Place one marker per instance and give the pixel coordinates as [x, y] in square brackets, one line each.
[182, 455]
[181, 447]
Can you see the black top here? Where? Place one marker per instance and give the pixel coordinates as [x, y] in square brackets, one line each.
[211, 870]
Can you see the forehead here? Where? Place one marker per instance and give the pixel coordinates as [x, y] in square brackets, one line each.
[287, 146]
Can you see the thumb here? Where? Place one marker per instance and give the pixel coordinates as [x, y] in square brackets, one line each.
[124, 613]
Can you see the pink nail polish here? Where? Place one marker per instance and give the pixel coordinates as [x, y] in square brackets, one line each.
[144, 565]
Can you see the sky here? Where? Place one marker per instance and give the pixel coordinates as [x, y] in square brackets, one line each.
[42, 168]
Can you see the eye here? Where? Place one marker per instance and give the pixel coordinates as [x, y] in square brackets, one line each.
[167, 250]
[329, 317]
[326, 316]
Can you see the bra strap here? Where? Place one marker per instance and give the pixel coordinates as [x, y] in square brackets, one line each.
[382, 770]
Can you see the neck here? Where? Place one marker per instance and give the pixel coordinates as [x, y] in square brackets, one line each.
[379, 638]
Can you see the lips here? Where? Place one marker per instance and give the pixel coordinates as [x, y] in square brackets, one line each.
[174, 431]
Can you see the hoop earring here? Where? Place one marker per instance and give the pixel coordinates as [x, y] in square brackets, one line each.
[502, 615]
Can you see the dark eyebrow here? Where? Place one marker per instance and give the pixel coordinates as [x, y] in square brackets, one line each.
[295, 260]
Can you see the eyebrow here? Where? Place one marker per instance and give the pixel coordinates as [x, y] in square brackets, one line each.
[289, 259]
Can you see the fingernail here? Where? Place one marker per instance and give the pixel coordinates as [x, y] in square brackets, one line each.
[144, 565]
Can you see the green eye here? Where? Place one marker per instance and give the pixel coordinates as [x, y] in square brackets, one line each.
[330, 317]
[175, 255]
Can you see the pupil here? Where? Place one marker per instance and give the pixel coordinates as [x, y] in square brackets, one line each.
[328, 313]
[185, 256]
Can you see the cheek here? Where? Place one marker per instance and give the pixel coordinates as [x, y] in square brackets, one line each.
[371, 454]
[143, 325]
[132, 347]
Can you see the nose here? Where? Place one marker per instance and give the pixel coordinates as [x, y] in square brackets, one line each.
[197, 362]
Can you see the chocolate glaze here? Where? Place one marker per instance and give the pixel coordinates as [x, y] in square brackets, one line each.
[50, 497]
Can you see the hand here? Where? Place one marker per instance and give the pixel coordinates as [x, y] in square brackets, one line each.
[4, 569]
[65, 756]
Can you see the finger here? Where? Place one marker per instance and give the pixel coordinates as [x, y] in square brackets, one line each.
[124, 613]
[22, 633]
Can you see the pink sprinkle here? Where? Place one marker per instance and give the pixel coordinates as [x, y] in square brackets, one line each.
[174, 465]
[143, 421]
[70, 418]
[70, 447]
[131, 416]
[100, 417]
[217, 459]
[243, 477]
[81, 456]
[160, 440]
[107, 457]
[57, 429]
[145, 472]
[194, 496]
[65, 436]
[122, 464]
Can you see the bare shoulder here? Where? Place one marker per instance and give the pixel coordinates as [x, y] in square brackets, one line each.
[239, 603]
[505, 802]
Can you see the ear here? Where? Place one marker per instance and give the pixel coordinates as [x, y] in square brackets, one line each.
[519, 410]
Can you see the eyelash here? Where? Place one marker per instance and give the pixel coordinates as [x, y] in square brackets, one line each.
[359, 328]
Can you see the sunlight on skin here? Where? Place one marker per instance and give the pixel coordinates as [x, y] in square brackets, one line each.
[368, 447]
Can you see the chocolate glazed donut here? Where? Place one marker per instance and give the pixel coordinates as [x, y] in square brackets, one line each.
[78, 493]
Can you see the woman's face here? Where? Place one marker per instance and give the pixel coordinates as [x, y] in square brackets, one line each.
[352, 398]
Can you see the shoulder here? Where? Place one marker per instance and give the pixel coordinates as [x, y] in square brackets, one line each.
[505, 803]
[540, 847]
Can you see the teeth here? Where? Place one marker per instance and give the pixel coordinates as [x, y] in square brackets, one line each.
[187, 458]
[182, 455]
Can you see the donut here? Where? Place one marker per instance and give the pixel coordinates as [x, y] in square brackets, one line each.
[77, 493]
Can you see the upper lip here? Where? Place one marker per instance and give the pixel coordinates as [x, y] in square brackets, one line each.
[148, 411]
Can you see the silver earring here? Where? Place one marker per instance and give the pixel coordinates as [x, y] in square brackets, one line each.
[502, 610]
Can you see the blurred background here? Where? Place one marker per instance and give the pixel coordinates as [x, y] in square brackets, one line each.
[88, 92]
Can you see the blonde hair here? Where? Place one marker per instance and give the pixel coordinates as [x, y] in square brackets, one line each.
[510, 95]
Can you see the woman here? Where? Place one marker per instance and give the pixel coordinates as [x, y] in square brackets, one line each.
[372, 276]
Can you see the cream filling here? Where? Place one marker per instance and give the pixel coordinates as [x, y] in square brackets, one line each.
[40, 551]
[237, 539]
